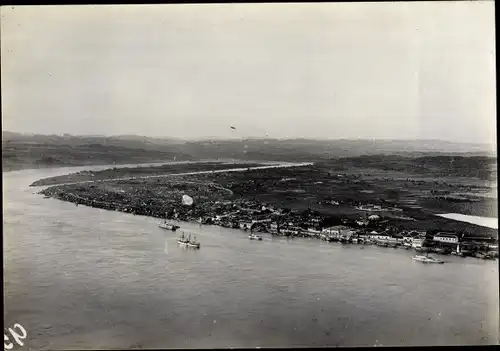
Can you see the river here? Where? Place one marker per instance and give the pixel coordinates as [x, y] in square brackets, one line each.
[489, 222]
[85, 278]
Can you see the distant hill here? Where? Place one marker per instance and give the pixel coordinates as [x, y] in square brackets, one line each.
[21, 151]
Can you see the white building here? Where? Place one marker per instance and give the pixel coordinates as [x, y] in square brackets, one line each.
[274, 228]
[290, 231]
[265, 220]
[380, 237]
[245, 225]
[416, 242]
[446, 238]
[313, 232]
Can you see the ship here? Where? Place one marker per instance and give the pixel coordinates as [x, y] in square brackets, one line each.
[165, 225]
[188, 241]
[253, 236]
[426, 259]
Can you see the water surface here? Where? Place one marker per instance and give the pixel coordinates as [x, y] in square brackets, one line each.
[489, 222]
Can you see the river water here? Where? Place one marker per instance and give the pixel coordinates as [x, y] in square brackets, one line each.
[489, 222]
[85, 278]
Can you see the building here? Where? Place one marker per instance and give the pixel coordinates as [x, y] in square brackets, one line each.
[446, 238]
[290, 231]
[262, 220]
[338, 232]
[338, 229]
[417, 234]
[361, 223]
[274, 228]
[417, 242]
[245, 225]
[313, 232]
[381, 236]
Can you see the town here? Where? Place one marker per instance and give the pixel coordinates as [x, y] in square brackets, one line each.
[368, 229]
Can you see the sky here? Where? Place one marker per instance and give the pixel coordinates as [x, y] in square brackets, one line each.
[324, 70]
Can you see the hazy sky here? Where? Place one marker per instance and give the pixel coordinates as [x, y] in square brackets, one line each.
[353, 70]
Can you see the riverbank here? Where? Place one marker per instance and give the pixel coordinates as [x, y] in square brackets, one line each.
[141, 171]
[297, 193]
[220, 195]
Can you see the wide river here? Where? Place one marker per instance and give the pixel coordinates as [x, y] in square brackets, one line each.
[85, 278]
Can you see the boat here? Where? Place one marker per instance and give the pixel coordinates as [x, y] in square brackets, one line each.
[168, 226]
[479, 255]
[46, 197]
[188, 241]
[193, 243]
[253, 236]
[426, 259]
[382, 244]
[182, 240]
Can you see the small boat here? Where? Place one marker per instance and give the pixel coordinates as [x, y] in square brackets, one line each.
[479, 255]
[46, 197]
[253, 236]
[426, 259]
[168, 226]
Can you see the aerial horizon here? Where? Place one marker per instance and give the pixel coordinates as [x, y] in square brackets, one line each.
[322, 70]
[202, 138]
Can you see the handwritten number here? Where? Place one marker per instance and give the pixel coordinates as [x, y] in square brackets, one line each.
[9, 345]
[18, 337]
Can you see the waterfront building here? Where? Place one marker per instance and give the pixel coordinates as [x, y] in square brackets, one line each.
[245, 225]
[445, 238]
[338, 232]
[290, 231]
[417, 242]
[274, 228]
[381, 236]
[313, 232]
[262, 220]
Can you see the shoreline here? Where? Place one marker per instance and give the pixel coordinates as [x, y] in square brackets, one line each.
[370, 242]
[252, 165]
[137, 198]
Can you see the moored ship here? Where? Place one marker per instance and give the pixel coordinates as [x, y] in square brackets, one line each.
[188, 241]
[169, 226]
[253, 236]
[426, 259]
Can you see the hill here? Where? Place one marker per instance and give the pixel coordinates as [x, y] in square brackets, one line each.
[20, 151]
